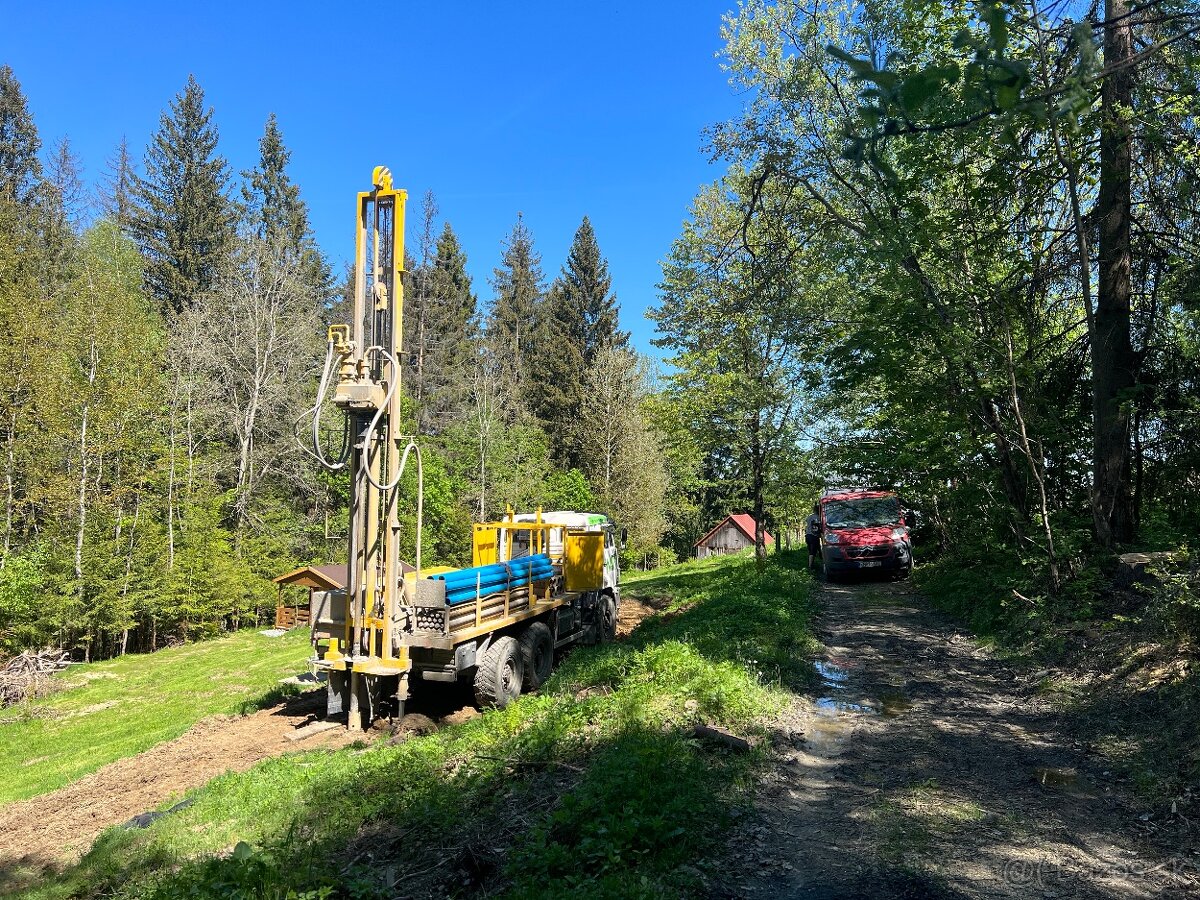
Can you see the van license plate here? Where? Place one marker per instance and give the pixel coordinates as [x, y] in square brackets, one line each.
[868, 565]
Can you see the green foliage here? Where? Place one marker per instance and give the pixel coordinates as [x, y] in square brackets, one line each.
[23, 622]
[578, 323]
[584, 788]
[20, 168]
[1175, 597]
[513, 323]
[568, 490]
[277, 215]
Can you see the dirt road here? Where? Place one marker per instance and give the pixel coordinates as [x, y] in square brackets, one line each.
[926, 768]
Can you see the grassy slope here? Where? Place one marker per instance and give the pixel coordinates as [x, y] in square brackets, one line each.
[593, 786]
[109, 710]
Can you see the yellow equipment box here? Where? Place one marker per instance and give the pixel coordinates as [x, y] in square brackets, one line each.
[584, 562]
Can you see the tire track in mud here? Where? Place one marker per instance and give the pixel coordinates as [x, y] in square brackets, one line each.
[924, 767]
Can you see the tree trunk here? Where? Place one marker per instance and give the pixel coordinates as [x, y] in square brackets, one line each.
[1113, 361]
[83, 476]
[9, 480]
[757, 466]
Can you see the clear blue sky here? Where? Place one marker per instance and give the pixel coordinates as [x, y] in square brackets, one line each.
[555, 109]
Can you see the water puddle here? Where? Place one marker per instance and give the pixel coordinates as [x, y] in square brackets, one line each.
[833, 675]
[832, 706]
[894, 704]
[839, 712]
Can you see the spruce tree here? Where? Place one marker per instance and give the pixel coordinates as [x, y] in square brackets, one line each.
[20, 170]
[275, 213]
[579, 325]
[116, 187]
[184, 222]
[454, 328]
[512, 328]
[273, 208]
[590, 306]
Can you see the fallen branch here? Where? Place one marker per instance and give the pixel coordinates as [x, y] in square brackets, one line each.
[28, 675]
[530, 763]
[708, 732]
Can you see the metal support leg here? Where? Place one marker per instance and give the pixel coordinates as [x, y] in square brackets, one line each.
[338, 694]
[360, 702]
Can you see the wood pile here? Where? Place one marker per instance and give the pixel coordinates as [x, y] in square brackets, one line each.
[28, 675]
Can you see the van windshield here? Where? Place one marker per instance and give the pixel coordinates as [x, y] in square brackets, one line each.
[866, 512]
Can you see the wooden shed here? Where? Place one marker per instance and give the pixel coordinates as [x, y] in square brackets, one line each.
[732, 534]
[315, 578]
[330, 577]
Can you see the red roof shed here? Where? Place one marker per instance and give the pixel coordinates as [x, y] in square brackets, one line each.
[732, 534]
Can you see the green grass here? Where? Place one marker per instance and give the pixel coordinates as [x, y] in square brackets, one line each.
[109, 710]
[593, 787]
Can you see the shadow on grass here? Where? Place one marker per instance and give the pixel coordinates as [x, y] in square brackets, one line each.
[273, 697]
[595, 786]
[1148, 732]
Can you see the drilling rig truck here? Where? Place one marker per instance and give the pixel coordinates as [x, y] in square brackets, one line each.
[538, 581]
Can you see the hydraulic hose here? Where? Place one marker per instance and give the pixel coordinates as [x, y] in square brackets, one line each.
[315, 411]
[411, 446]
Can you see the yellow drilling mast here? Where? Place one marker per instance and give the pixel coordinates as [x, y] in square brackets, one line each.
[539, 583]
[369, 663]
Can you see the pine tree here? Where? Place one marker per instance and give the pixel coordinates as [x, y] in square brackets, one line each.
[184, 222]
[116, 187]
[579, 325]
[277, 216]
[587, 294]
[20, 170]
[454, 332]
[512, 328]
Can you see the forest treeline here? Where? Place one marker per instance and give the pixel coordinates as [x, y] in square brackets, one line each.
[956, 253]
[165, 333]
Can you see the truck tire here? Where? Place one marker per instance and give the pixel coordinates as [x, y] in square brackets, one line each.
[608, 619]
[537, 655]
[498, 675]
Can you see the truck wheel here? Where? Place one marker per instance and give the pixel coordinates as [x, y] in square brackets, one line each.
[498, 674]
[608, 619]
[537, 655]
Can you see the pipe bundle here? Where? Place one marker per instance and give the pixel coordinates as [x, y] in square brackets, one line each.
[479, 581]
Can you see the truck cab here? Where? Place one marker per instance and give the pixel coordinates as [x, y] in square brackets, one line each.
[589, 523]
[864, 530]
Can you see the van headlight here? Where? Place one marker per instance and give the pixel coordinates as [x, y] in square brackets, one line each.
[898, 533]
[831, 537]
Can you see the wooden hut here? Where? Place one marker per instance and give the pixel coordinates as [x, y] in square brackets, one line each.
[732, 534]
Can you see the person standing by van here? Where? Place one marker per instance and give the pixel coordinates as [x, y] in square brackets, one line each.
[812, 535]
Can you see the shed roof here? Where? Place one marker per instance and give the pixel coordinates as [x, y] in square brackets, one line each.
[329, 577]
[744, 522]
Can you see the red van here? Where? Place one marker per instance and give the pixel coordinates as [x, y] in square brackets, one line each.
[864, 530]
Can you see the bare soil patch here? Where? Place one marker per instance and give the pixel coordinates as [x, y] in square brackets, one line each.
[925, 767]
[60, 826]
[633, 610]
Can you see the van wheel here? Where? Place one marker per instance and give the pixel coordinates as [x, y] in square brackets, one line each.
[608, 619]
[498, 676]
[537, 655]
